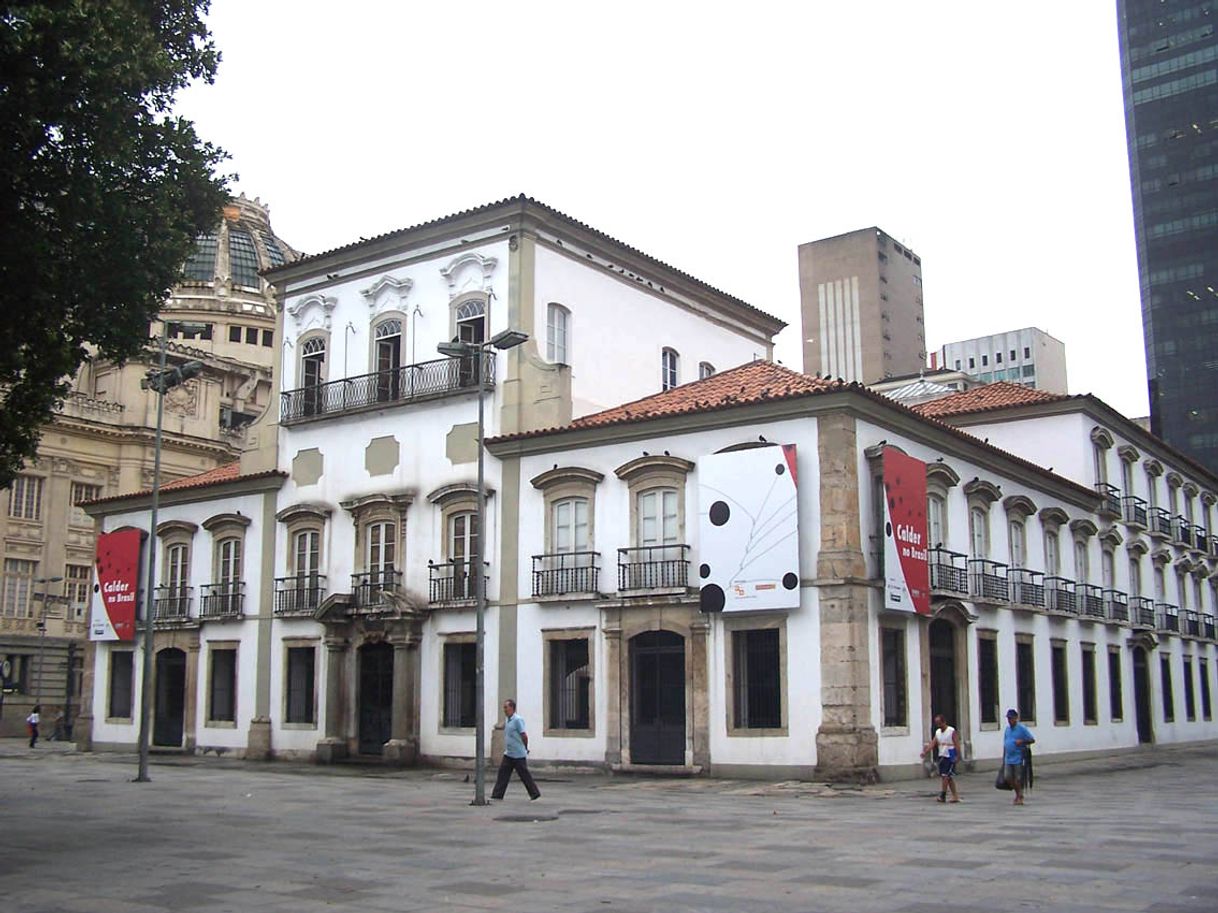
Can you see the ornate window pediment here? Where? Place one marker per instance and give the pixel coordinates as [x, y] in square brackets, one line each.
[457, 491]
[1102, 437]
[941, 476]
[1128, 454]
[179, 527]
[1137, 547]
[469, 272]
[219, 521]
[1111, 536]
[312, 312]
[1019, 505]
[982, 490]
[1053, 517]
[561, 475]
[664, 464]
[387, 293]
[1083, 528]
[299, 512]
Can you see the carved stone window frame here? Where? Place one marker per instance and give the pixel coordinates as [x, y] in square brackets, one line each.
[328, 353]
[454, 499]
[379, 320]
[648, 473]
[378, 508]
[733, 625]
[549, 635]
[454, 637]
[564, 483]
[172, 533]
[297, 643]
[300, 518]
[940, 480]
[212, 647]
[224, 527]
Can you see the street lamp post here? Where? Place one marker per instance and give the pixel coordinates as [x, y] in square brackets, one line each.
[159, 381]
[506, 339]
[42, 629]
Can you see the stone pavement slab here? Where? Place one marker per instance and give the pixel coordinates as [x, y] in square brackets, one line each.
[211, 836]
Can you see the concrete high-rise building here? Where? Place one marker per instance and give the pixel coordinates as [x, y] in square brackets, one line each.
[1030, 357]
[861, 307]
[1169, 68]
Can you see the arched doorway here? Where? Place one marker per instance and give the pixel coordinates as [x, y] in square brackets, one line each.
[169, 726]
[375, 697]
[1141, 695]
[944, 686]
[657, 698]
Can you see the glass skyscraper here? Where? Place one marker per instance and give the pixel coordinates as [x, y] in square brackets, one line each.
[1169, 68]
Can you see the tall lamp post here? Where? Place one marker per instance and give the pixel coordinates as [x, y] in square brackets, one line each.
[42, 628]
[506, 339]
[160, 380]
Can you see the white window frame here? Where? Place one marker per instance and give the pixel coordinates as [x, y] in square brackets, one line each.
[670, 364]
[558, 333]
[25, 498]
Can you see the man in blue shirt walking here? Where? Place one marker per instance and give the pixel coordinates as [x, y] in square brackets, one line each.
[515, 754]
[1014, 740]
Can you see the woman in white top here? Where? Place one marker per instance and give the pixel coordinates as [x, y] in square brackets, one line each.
[948, 742]
[32, 721]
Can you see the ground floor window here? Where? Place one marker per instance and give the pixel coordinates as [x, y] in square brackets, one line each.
[896, 699]
[122, 677]
[1207, 710]
[756, 679]
[1169, 702]
[1090, 711]
[1116, 700]
[1190, 696]
[222, 687]
[987, 677]
[460, 668]
[570, 684]
[1025, 680]
[301, 670]
[1061, 685]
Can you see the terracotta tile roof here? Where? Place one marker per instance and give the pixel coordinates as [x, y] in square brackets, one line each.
[1000, 395]
[227, 472]
[522, 201]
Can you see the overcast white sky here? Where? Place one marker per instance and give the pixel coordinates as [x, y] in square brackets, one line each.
[717, 137]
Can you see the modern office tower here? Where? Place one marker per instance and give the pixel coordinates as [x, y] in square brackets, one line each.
[1030, 357]
[1169, 68]
[861, 307]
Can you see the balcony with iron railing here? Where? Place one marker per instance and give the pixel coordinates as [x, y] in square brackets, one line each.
[653, 567]
[1135, 511]
[1090, 600]
[1026, 587]
[453, 582]
[1213, 546]
[566, 573]
[1116, 605]
[373, 591]
[1207, 627]
[1110, 499]
[222, 600]
[1167, 617]
[1182, 531]
[948, 572]
[1142, 612]
[1199, 541]
[409, 383]
[172, 603]
[1060, 595]
[1190, 623]
[1160, 523]
[299, 595]
[988, 580]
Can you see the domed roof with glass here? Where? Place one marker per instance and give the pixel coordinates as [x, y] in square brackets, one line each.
[230, 257]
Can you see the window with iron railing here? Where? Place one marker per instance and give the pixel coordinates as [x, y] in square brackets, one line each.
[566, 573]
[299, 595]
[654, 567]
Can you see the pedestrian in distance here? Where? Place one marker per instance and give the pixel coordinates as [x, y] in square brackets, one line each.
[515, 754]
[32, 722]
[947, 740]
[1015, 741]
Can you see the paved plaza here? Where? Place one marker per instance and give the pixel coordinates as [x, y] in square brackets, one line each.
[1135, 833]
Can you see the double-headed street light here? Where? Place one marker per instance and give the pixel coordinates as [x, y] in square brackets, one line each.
[159, 380]
[506, 339]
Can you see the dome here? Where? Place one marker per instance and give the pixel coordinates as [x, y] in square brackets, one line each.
[241, 245]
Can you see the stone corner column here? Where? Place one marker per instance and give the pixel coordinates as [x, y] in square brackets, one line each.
[402, 749]
[333, 745]
[847, 744]
[611, 629]
[258, 739]
[82, 725]
[699, 651]
[192, 715]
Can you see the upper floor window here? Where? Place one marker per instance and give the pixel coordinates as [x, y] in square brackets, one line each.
[381, 553]
[659, 522]
[1107, 569]
[1101, 463]
[306, 553]
[388, 340]
[1082, 567]
[1127, 476]
[558, 322]
[462, 536]
[570, 526]
[979, 532]
[1053, 555]
[18, 585]
[471, 321]
[242, 258]
[1160, 584]
[1018, 543]
[25, 498]
[78, 580]
[1135, 575]
[936, 520]
[669, 362]
[83, 492]
[228, 561]
[1152, 491]
[312, 361]
[705, 370]
[176, 574]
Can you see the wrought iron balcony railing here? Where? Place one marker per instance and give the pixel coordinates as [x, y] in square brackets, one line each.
[172, 603]
[1027, 587]
[566, 573]
[1160, 522]
[988, 579]
[1167, 617]
[425, 380]
[1190, 623]
[1060, 596]
[299, 595]
[948, 571]
[1199, 540]
[1135, 510]
[1142, 611]
[657, 567]
[1182, 531]
[1116, 605]
[1214, 546]
[1207, 627]
[453, 581]
[1110, 498]
[375, 589]
[1090, 600]
[222, 600]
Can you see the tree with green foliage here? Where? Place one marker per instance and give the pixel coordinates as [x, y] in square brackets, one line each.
[102, 189]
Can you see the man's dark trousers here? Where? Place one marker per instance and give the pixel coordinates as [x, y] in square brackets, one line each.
[521, 766]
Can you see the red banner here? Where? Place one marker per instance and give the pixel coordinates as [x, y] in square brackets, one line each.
[906, 571]
[118, 577]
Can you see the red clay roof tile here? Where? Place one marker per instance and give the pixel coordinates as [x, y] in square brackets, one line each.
[1000, 395]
